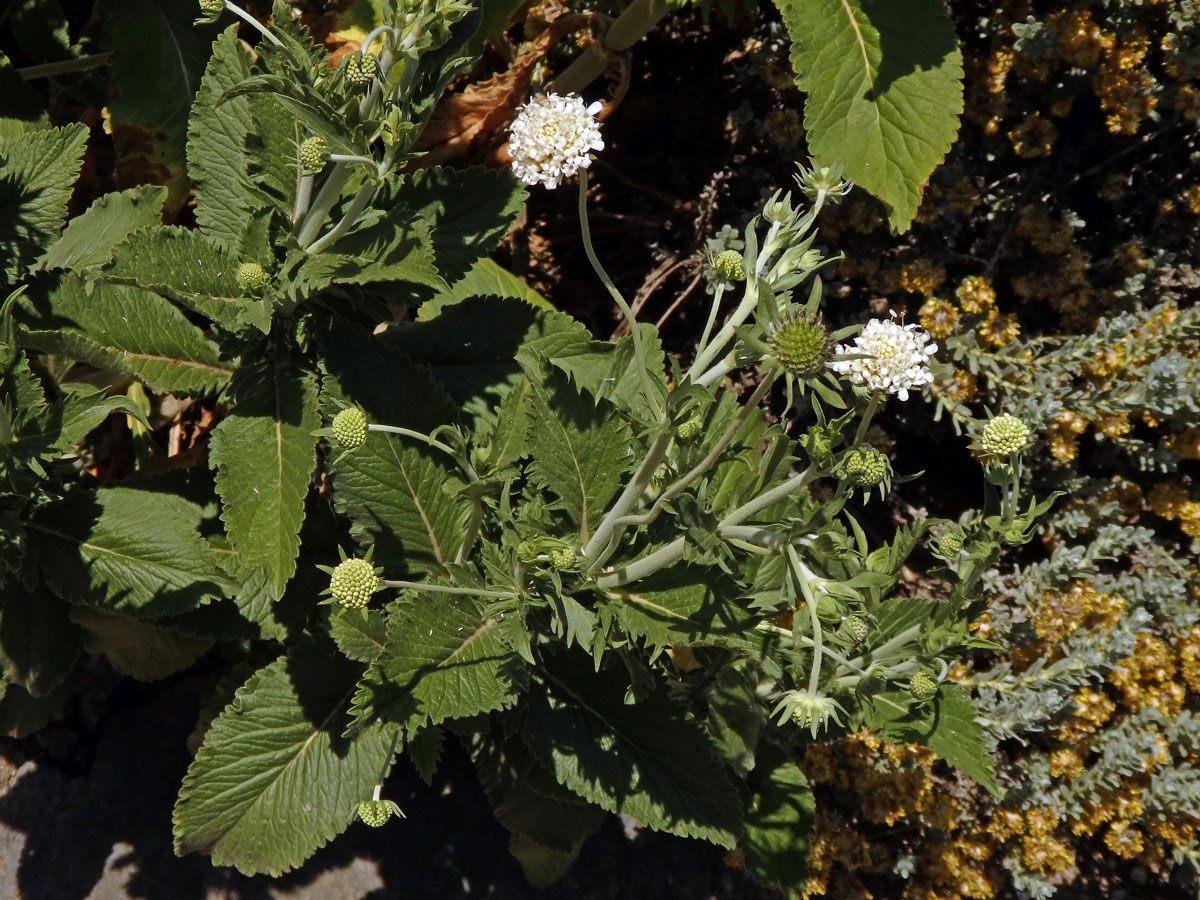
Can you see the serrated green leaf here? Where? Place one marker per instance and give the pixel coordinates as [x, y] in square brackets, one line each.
[884, 85]
[444, 659]
[38, 642]
[468, 211]
[470, 348]
[274, 779]
[141, 650]
[157, 36]
[360, 634]
[643, 760]
[391, 486]
[580, 447]
[484, 279]
[395, 248]
[693, 605]
[22, 714]
[547, 830]
[130, 551]
[425, 751]
[183, 265]
[123, 330]
[946, 725]
[89, 239]
[37, 173]
[304, 104]
[780, 812]
[264, 454]
[227, 197]
[77, 414]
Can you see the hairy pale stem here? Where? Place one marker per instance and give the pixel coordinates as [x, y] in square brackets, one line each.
[387, 764]
[627, 501]
[805, 578]
[639, 352]
[872, 407]
[254, 23]
[668, 556]
[448, 589]
[775, 494]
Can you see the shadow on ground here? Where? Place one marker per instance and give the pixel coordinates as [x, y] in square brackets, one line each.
[88, 815]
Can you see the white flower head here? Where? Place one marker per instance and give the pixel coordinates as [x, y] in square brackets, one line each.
[553, 137]
[897, 357]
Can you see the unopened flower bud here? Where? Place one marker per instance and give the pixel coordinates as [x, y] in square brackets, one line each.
[361, 69]
[801, 344]
[922, 686]
[689, 428]
[353, 582]
[1004, 435]
[866, 467]
[251, 276]
[314, 153]
[350, 428]
[950, 543]
[728, 266]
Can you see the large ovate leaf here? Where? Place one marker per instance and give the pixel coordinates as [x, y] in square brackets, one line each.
[547, 823]
[580, 446]
[884, 85]
[264, 454]
[486, 278]
[37, 173]
[946, 725]
[643, 759]
[780, 811]
[227, 197]
[129, 551]
[124, 330]
[38, 642]
[444, 658]
[392, 486]
[146, 651]
[467, 210]
[690, 605]
[149, 114]
[396, 248]
[183, 265]
[274, 779]
[89, 239]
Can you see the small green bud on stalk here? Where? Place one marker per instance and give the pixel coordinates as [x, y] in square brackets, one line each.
[688, 429]
[353, 582]
[950, 543]
[922, 686]
[212, 8]
[251, 276]
[350, 428]
[856, 628]
[376, 812]
[361, 69]
[801, 344]
[1004, 435]
[314, 153]
[865, 467]
[562, 557]
[728, 266]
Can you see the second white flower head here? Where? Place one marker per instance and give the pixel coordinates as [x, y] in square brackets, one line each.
[553, 137]
[898, 357]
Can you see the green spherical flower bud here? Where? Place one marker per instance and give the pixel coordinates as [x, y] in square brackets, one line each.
[353, 582]
[857, 628]
[1004, 435]
[950, 543]
[829, 610]
[212, 7]
[922, 686]
[728, 266]
[314, 153]
[251, 276]
[528, 552]
[350, 428]
[685, 431]
[817, 445]
[801, 344]
[375, 812]
[562, 557]
[361, 69]
[865, 467]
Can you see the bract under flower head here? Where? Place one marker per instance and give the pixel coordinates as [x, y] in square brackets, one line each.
[898, 357]
[553, 137]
